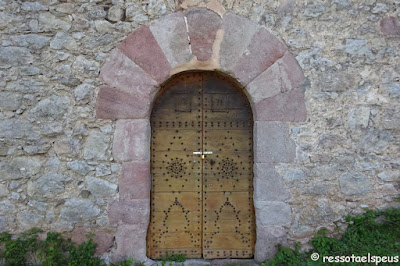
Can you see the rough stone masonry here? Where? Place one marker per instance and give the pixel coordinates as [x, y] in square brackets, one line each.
[57, 166]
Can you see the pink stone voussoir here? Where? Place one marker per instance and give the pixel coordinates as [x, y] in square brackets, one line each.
[203, 25]
[289, 106]
[142, 48]
[134, 182]
[113, 103]
[121, 72]
[263, 51]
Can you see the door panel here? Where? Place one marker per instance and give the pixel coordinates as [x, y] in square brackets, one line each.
[202, 207]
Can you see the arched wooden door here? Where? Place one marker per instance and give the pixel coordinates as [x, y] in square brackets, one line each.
[202, 161]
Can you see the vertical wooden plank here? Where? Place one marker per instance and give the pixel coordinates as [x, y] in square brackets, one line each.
[228, 212]
[176, 191]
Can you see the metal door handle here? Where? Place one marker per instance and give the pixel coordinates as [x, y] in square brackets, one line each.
[204, 152]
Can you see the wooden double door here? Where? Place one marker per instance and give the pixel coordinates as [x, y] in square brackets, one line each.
[201, 168]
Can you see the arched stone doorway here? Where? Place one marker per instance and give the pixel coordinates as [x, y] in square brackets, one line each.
[200, 39]
[201, 169]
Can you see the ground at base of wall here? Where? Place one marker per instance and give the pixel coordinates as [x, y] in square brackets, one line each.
[201, 262]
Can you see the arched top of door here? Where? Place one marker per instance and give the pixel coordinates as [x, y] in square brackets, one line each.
[200, 39]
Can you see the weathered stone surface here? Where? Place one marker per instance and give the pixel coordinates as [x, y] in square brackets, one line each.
[10, 101]
[31, 41]
[102, 170]
[238, 34]
[390, 26]
[16, 129]
[389, 176]
[284, 75]
[263, 50]
[272, 143]
[67, 147]
[113, 103]
[314, 10]
[391, 119]
[334, 80]
[78, 210]
[375, 141]
[203, 25]
[133, 212]
[29, 219]
[3, 190]
[3, 224]
[103, 239]
[126, 248]
[357, 47]
[101, 188]
[268, 237]
[49, 22]
[289, 106]
[63, 40]
[7, 208]
[354, 184]
[136, 13]
[47, 186]
[96, 145]
[132, 140]
[20, 167]
[268, 184]
[156, 8]
[84, 66]
[120, 72]
[142, 48]
[84, 93]
[51, 108]
[115, 13]
[14, 56]
[134, 182]
[358, 118]
[172, 37]
[272, 213]
[33, 6]
[80, 167]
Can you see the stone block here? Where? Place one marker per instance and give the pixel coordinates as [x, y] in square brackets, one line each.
[131, 242]
[272, 143]
[268, 184]
[47, 186]
[121, 72]
[263, 50]
[289, 106]
[135, 181]
[268, 237]
[238, 32]
[113, 103]
[203, 25]
[272, 213]
[172, 37]
[103, 239]
[142, 48]
[132, 140]
[354, 184]
[96, 145]
[15, 56]
[390, 26]
[133, 212]
[284, 75]
[76, 210]
[101, 188]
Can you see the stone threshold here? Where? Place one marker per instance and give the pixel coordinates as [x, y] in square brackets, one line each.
[203, 262]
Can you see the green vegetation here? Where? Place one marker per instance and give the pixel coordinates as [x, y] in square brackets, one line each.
[375, 232]
[173, 258]
[53, 251]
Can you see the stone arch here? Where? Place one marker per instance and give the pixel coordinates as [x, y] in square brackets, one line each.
[200, 39]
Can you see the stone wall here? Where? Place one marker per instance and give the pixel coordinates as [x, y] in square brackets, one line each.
[57, 170]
